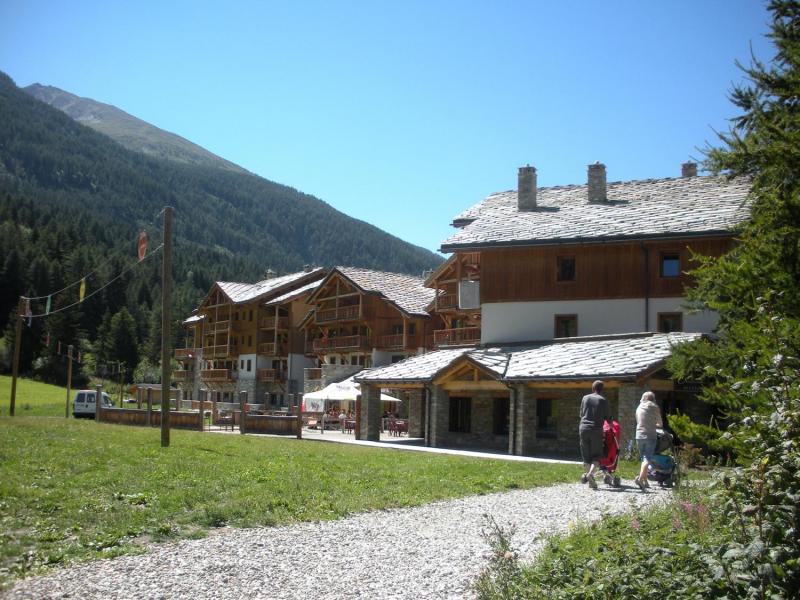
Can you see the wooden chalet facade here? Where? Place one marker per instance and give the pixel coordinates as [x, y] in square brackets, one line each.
[368, 318]
[245, 338]
[548, 289]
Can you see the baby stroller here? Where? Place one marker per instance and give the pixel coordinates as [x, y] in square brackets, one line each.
[608, 464]
[662, 468]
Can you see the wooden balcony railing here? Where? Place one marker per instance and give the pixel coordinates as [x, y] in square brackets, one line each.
[269, 375]
[447, 301]
[215, 351]
[390, 342]
[457, 337]
[218, 375]
[185, 353]
[181, 375]
[271, 349]
[219, 326]
[345, 313]
[274, 323]
[349, 342]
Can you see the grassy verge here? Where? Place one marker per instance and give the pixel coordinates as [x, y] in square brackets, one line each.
[73, 490]
[665, 552]
[33, 398]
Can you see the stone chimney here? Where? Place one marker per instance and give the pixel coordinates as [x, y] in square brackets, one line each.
[597, 183]
[689, 169]
[526, 189]
[269, 274]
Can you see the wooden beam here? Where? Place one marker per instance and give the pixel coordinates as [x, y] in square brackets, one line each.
[569, 384]
[660, 385]
[475, 386]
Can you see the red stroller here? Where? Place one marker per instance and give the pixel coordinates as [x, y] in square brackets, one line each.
[608, 464]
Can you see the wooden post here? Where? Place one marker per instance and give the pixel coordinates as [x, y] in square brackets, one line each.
[357, 430]
[201, 395]
[166, 305]
[139, 397]
[242, 411]
[98, 395]
[119, 366]
[17, 345]
[149, 406]
[69, 380]
[299, 416]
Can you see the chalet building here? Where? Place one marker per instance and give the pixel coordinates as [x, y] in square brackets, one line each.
[366, 318]
[246, 338]
[548, 289]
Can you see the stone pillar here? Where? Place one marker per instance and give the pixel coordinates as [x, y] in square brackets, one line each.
[525, 421]
[416, 414]
[439, 416]
[370, 407]
[526, 188]
[628, 400]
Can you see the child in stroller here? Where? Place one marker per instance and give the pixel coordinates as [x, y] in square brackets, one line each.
[663, 468]
[608, 464]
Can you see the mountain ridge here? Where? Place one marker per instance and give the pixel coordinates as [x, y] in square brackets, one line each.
[126, 129]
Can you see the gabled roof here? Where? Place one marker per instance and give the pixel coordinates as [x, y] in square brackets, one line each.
[650, 208]
[623, 357]
[308, 288]
[239, 293]
[406, 292]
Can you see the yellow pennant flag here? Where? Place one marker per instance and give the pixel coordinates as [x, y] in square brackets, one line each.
[83, 289]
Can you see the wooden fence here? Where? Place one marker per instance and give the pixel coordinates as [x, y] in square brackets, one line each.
[138, 416]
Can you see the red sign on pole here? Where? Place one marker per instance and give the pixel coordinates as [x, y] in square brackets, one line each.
[142, 245]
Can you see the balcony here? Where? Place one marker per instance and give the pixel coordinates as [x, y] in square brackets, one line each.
[182, 375]
[185, 353]
[218, 375]
[271, 349]
[390, 342]
[464, 336]
[219, 326]
[312, 374]
[349, 342]
[344, 313]
[447, 302]
[215, 352]
[271, 375]
[274, 323]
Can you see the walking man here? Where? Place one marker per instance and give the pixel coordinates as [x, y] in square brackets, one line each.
[594, 411]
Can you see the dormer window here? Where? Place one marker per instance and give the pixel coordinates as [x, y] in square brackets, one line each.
[670, 265]
[565, 268]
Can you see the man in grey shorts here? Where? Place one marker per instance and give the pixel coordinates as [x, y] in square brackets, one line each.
[594, 411]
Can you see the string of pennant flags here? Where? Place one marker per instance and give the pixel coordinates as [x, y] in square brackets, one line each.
[61, 349]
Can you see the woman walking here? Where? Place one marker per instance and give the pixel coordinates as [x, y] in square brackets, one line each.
[648, 419]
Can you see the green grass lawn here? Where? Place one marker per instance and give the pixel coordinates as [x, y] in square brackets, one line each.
[74, 489]
[34, 398]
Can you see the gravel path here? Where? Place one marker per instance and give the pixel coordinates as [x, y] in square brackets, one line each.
[433, 551]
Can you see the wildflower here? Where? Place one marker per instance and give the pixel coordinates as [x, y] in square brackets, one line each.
[636, 524]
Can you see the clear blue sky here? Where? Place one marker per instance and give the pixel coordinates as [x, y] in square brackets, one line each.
[404, 113]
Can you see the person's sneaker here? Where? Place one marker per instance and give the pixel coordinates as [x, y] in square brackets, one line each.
[584, 479]
[639, 483]
[592, 483]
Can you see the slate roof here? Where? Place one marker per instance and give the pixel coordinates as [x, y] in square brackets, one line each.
[650, 208]
[616, 357]
[309, 287]
[405, 291]
[247, 292]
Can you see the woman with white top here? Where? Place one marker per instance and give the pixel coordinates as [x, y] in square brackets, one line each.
[648, 419]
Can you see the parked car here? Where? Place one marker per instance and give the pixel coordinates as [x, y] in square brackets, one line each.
[83, 405]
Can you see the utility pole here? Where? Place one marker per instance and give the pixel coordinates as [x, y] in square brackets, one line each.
[17, 345]
[166, 304]
[69, 380]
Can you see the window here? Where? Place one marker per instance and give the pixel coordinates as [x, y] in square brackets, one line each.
[500, 420]
[565, 268]
[251, 315]
[241, 365]
[397, 358]
[669, 322]
[236, 316]
[670, 265]
[545, 423]
[397, 329]
[412, 328]
[249, 340]
[566, 326]
[460, 414]
[249, 365]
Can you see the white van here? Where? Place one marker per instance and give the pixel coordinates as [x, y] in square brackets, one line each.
[83, 405]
